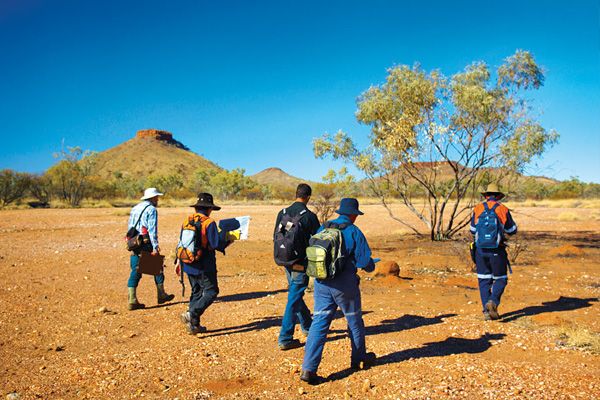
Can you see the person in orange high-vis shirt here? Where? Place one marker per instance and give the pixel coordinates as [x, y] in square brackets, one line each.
[492, 263]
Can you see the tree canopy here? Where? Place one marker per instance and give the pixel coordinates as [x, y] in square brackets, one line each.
[423, 123]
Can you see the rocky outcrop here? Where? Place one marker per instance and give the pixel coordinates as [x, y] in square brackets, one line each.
[162, 136]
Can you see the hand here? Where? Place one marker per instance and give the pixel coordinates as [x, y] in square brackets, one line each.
[178, 268]
[155, 252]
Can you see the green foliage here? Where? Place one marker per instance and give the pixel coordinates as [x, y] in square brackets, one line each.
[439, 133]
[341, 183]
[41, 188]
[13, 185]
[70, 176]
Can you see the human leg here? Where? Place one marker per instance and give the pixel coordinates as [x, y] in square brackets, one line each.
[499, 266]
[349, 301]
[295, 308]
[484, 276]
[324, 313]
[134, 279]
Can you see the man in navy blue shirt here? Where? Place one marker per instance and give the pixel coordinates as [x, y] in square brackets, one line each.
[343, 292]
[202, 273]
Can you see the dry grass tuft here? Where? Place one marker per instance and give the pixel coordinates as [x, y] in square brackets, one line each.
[569, 216]
[579, 338]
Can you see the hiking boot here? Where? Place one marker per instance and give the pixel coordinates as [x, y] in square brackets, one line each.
[309, 377]
[132, 301]
[492, 308]
[192, 326]
[161, 296]
[294, 344]
[486, 316]
[365, 363]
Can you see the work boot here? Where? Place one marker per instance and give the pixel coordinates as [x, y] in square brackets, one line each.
[492, 309]
[132, 301]
[192, 325]
[161, 296]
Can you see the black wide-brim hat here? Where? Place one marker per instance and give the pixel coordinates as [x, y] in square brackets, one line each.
[205, 200]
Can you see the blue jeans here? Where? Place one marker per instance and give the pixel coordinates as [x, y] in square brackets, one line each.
[492, 273]
[134, 276]
[342, 292]
[205, 289]
[295, 309]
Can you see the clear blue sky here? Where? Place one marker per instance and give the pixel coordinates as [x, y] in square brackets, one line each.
[249, 84]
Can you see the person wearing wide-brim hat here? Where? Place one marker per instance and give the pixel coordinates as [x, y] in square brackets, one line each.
[342, 291]
[144, 217]
[201, 268]
[491, 259]
[493, 191]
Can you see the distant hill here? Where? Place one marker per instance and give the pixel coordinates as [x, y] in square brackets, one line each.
[275, 176]
[150, 152]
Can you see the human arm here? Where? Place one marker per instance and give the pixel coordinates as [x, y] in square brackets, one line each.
[362, 251]
[150, 222]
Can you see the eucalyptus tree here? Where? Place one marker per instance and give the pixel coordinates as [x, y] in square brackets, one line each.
[423, 124]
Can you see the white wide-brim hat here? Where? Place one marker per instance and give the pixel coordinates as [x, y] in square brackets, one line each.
[150, 193]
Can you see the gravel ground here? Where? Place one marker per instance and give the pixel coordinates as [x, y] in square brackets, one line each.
[65, 332]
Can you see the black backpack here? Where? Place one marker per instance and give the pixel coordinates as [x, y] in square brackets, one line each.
[288, 243]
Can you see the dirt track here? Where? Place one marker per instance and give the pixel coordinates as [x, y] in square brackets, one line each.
[65, 332]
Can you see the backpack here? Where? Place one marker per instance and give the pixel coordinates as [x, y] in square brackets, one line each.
[489, 229]
[288, 243]
[189, 248]
[324, 252]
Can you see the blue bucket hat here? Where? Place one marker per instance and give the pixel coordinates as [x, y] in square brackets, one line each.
[349, 206]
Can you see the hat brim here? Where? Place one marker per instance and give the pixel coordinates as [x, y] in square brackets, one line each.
[497, 195]
[348, 211]
[150, 197]
[207, 205]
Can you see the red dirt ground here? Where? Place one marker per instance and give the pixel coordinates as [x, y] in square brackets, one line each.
[65, 332]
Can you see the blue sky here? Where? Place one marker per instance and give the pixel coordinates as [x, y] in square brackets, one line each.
[249, 84]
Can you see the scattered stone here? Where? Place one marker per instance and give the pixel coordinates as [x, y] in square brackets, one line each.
[366, 386]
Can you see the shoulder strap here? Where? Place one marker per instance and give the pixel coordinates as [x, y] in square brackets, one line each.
[494, 206]
[334, 225]
[485, 205]
[140, 217]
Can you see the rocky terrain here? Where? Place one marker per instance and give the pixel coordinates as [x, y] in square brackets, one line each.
[65, 332]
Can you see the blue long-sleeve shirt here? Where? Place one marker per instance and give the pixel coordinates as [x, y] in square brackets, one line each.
[149, 220]
[354, 246]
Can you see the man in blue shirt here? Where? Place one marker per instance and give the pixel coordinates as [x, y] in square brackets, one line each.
[202, 273]
[343, 292]
[145, 219]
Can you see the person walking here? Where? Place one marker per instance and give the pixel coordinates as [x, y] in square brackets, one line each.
[342, 291]
[202, 273]
[144, 217]
[491, 259]
[306, 224]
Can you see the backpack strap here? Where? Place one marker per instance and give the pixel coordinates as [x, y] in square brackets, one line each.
[334, 225]
[140, 217]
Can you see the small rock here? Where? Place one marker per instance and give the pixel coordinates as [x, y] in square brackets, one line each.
[366, 386]
[300, 390]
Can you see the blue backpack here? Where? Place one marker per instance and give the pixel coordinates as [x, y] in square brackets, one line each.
[489, 229]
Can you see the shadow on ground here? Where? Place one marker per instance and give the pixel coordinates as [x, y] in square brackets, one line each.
[561, 304]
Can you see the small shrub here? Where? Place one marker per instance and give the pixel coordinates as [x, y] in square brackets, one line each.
[568, 216]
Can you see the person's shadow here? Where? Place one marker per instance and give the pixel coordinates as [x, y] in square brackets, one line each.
[561, 304]
[248, 296]
[443, 348]
[260, 324]
[404, 323]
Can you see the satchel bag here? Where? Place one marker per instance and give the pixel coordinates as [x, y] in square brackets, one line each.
[133, 239]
